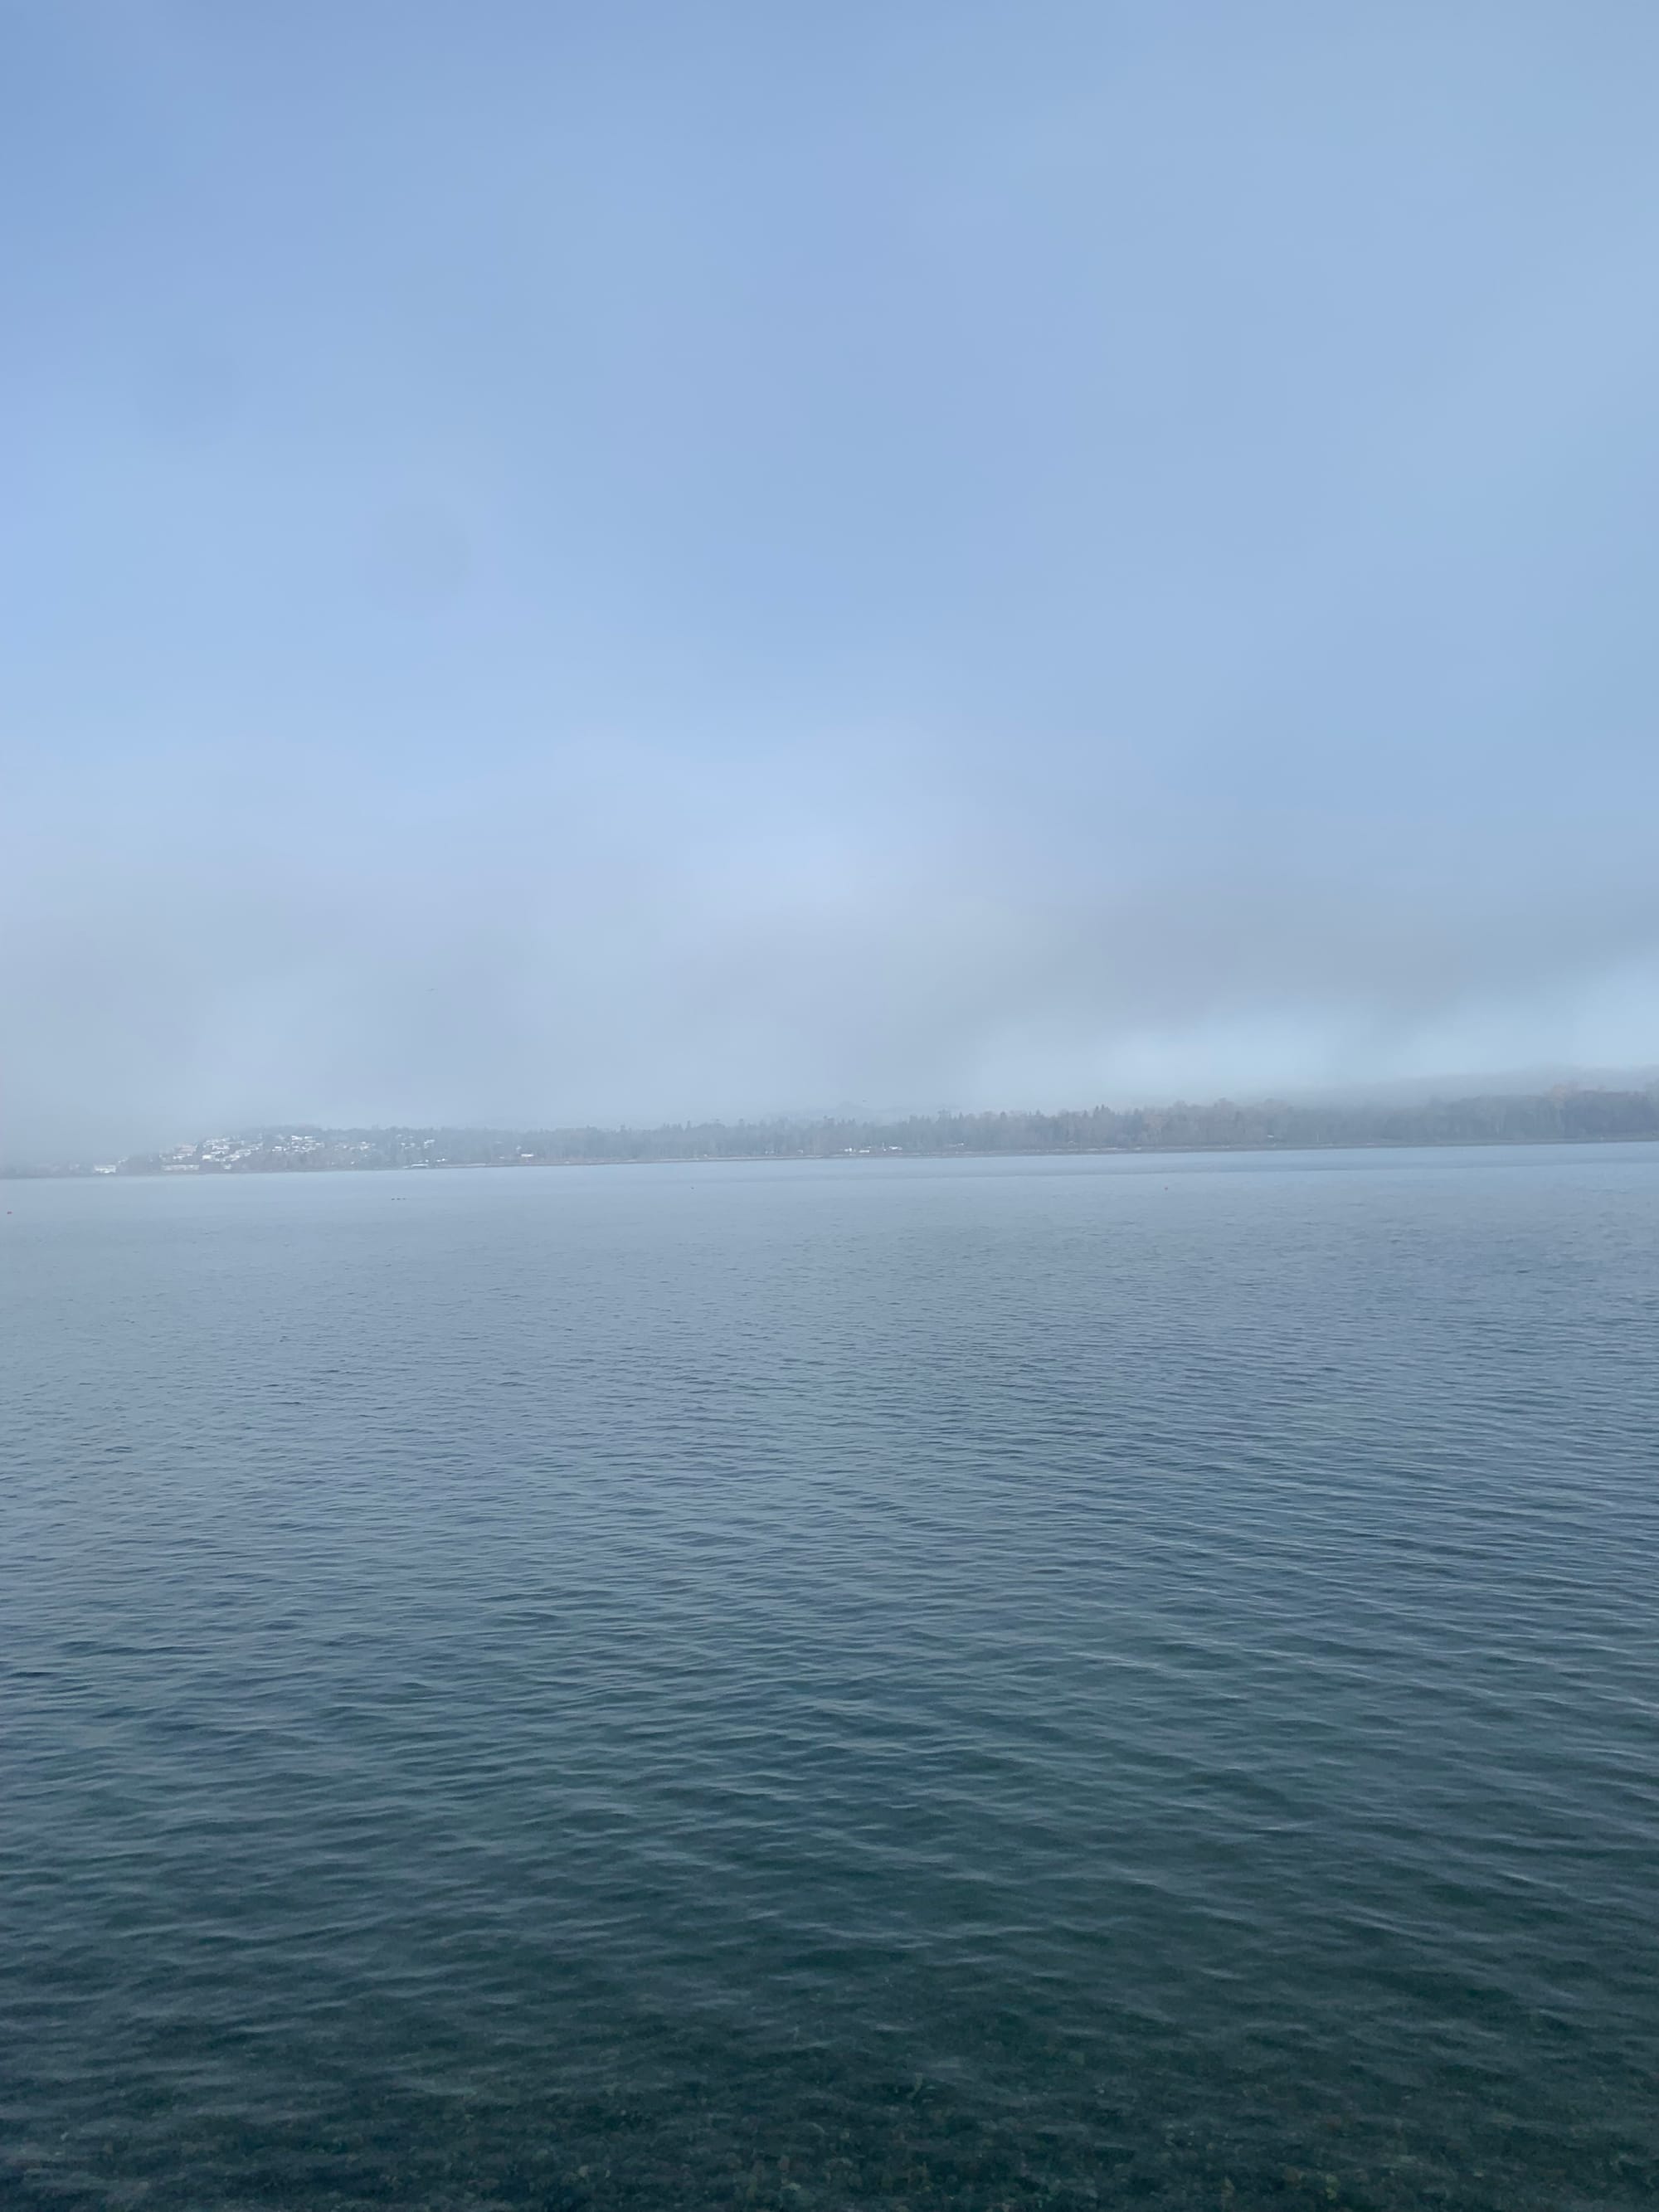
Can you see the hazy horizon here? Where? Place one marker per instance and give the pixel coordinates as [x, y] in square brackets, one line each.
[1407, 1094]
[566, 568]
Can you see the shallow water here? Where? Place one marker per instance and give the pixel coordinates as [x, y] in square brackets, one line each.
[870, 1684]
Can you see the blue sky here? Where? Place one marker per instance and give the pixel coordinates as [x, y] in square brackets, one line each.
[566, 562]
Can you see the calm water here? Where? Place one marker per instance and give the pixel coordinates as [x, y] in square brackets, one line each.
[870, 1684]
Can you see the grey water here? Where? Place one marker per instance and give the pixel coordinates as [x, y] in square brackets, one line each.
[870, 1684]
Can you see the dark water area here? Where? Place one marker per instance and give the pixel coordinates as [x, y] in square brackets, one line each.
[888, 1684]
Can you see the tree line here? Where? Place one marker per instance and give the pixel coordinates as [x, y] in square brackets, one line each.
[1563, 1115]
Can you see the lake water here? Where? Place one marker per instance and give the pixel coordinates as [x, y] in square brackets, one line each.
[880, 1683]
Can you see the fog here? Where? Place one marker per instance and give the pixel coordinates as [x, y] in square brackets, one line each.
[569, 564]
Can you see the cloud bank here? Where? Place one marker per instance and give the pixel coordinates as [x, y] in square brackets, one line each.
[617, 569]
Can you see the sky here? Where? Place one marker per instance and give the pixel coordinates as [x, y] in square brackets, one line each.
[565, 563]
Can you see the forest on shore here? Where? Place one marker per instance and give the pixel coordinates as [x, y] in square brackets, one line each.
[1566, 1114]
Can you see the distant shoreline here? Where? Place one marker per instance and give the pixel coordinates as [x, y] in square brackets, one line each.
[846, 1159]
[1565, 1116]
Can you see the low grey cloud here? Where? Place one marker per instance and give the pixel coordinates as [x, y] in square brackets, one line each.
[705, 953]
[973, 559]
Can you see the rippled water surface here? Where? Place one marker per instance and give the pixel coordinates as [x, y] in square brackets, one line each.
[879, 1684]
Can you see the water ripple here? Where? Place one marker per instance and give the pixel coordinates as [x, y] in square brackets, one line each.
[880, 1685]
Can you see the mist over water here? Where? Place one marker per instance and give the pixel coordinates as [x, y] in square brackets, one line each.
[635, 566]
[875, 1683]
[641, 565]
